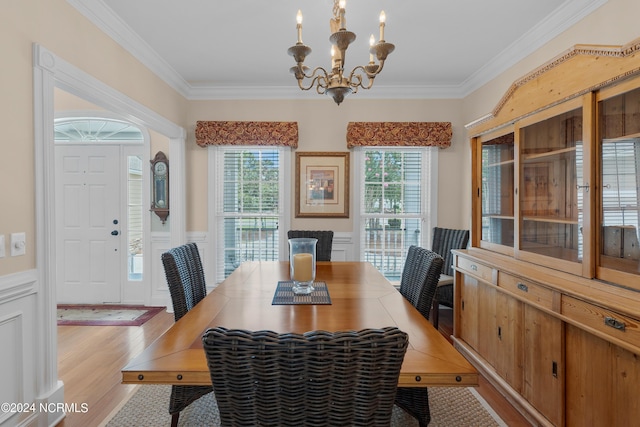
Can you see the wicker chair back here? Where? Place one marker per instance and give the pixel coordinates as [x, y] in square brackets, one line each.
[185, 277]
[420, 277]
[187, 286]
[325, 241]
[445, 239]
[418, 285]
[317, 378]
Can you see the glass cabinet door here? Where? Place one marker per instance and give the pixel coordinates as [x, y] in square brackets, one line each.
[619, 134]
[551, 199]
[497, 190]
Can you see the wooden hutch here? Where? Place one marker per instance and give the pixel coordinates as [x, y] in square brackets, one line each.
[547, 299]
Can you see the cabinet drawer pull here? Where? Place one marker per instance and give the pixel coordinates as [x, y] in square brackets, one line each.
[473, 267]
[613, 323]
[523, 287]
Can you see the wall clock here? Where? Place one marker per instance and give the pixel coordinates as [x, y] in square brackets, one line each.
[160, 186]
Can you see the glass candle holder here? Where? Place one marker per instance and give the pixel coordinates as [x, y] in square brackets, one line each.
[302, 261]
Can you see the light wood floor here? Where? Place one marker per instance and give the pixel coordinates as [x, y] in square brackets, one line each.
[90, 359]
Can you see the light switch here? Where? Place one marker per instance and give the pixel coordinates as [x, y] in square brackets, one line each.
[2, 249]
[18, 244]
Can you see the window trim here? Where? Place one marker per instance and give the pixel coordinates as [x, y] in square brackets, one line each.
[429, 185]
[284, 200]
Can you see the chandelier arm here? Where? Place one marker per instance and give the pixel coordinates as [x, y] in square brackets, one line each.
[321, 78]
[380, 67]
[353, 74]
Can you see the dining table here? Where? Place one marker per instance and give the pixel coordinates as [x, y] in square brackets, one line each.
[355, 296]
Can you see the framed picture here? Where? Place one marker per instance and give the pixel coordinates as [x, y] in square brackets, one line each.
[322, 185]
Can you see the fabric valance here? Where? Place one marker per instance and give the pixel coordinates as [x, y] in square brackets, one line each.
[423, 134]
[247, 133]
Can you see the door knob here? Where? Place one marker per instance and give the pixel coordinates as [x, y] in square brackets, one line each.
[114, 233]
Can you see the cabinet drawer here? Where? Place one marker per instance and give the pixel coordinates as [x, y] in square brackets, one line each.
[609, 322]
[531, 291]
[480, 271]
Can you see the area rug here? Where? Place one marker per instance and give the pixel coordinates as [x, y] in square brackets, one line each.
[105, 315]
[450, 406]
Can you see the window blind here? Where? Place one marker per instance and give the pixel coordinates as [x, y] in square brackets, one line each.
[395, 204]
[248, 206]
[620, 181]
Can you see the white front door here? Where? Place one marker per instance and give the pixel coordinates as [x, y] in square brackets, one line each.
[88, 224]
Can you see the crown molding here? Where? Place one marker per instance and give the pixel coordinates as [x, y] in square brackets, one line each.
[293, 92]
[106, 20]
[564, 17]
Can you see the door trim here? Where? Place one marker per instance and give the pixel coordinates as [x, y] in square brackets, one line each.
[49, 72]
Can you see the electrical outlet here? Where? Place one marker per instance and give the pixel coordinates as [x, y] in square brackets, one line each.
[2, 249]
[18, 244]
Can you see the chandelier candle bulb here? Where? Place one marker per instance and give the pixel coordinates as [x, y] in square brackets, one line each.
[383, 18]
[333, 57]
[299, 25]
[343, 20]
[372, 41]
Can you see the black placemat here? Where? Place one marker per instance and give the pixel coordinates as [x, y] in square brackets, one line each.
[284, 294]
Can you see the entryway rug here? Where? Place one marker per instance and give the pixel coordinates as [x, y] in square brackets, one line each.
[148, 405]
[105, 315]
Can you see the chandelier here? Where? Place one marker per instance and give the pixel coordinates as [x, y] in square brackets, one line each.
[335, 83]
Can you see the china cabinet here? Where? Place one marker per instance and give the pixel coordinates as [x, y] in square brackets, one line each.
[547, 298]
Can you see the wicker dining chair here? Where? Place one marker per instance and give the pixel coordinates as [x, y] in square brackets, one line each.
[418, 285]
[187, 286]
[317, 378]
[325, 241]
[444, 240]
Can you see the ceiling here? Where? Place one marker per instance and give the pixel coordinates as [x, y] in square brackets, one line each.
[237, 49]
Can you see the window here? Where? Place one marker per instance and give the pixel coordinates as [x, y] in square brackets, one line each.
[135, 214]
[249, 191]
[395, 204]
[620, 165]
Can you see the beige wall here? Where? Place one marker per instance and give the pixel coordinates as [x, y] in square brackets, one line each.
[322, 126]
[60, 28]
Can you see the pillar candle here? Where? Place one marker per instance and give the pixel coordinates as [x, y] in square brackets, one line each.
[302, 267]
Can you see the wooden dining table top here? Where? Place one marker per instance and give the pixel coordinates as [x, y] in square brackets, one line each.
[361, 297]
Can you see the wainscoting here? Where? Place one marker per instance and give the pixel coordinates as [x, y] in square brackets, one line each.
[26, 349]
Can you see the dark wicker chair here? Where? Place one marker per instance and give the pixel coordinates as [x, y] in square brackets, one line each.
[445, 239]
[418, 285]
[185, 276]
[325, 241]
[318, 378]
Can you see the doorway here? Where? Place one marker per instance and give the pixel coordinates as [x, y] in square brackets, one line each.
[98, 197]
[99, 217]
[87, 212]
[51, 73]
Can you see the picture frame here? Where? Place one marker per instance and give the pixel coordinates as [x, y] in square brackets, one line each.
[322, 185]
